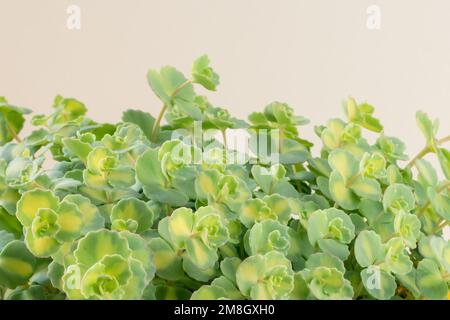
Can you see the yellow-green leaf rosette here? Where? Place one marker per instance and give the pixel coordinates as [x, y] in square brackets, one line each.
[193, 236]
[49, 223]
[265, 277]
[108, 265]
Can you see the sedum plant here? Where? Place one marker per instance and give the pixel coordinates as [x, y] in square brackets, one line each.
[143, 209]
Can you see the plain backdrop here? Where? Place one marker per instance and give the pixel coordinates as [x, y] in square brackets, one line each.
[311, 54]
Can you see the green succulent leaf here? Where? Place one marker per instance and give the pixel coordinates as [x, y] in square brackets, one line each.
[200, 254]
[267, 276]
[11, 121]
[367, 188]
[130, 210]
[203, 74]
[398, 197]
[397, 259]
[373, 165]
[17, 264]
[229, 266]
[378, 283]
[332, 135]
[9, 224]
[427, 127]
[427, 172]
[209, 293]
[69, 221]
[368, 248]
[155, 185]
[444, 160]
[392, 148]
[273, 207]
[31, 202]
[440, 203]
[430, 280]
[327, 260]
[167, 261]
[267, 178]
[344, 163]
[78, 147]
[105, 278]
[8, 199]
[329, 284]
[104, 243]
[362, 114]
[165, 83]
[408, 227]
[330, 224]
[340, 192]
[267, 236]
[142, 119]
[91, 217]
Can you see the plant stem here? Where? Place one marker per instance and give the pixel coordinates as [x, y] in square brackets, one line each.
[441, 226]
[425, 151]
[297, 182]
[419, 156]
[37, 185]
[427, 204]
[43, 150]
[225, 146]
[359, 290]
[13, 133]
[444, 140]
[180, 87]
[164, 108]
[108, 196]
[157, 122]
[224, 137]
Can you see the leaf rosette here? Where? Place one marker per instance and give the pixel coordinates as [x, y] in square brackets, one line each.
[50, 223]
[266, 277]
[108, 265]
[194, 236]
[331, 230]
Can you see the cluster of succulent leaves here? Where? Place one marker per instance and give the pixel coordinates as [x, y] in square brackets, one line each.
[141, 210]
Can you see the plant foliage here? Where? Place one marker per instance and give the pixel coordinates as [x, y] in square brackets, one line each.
[141, 210]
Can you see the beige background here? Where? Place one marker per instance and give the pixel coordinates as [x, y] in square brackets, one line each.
[311, 54]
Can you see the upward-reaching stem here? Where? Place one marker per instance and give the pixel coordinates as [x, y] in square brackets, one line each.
[180, 87]
[419, 156]
[427, 204]
[164, 108]
[425, 151]
[444, 140]
[157, 122]
[224, 138]
[13, 133]
[225, 146]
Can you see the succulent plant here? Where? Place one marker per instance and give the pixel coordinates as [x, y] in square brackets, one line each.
[145, 210]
